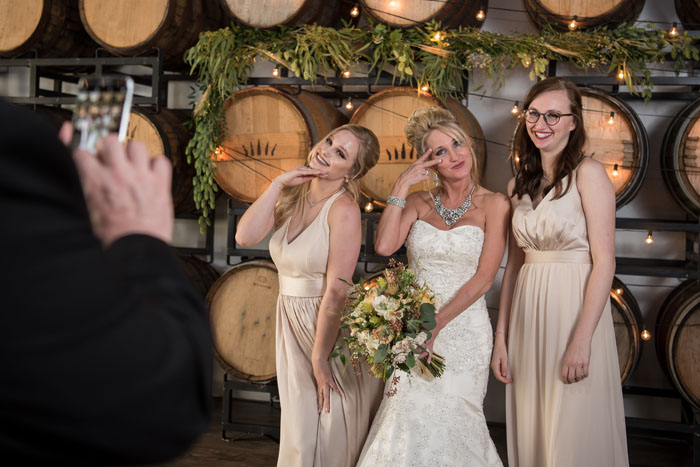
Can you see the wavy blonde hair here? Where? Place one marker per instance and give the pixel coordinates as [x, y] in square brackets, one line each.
[425, 120]
[367, 156]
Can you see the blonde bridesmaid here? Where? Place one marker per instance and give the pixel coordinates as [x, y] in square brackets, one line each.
[326, 408]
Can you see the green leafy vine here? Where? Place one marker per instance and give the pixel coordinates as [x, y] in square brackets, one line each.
[425, 56]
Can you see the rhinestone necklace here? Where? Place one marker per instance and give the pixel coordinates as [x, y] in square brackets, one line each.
[450, 216]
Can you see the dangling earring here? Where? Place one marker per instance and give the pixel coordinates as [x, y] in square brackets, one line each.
[347, 180]
[436, 179]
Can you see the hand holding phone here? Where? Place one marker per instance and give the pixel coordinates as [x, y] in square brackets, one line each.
[103, 106]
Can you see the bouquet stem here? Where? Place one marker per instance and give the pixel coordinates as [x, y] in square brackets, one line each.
[436, 367]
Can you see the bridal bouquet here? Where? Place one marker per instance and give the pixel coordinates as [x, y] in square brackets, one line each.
[390, 319]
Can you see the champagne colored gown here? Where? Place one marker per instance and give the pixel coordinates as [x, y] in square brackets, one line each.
[308, 438]
[549, 423]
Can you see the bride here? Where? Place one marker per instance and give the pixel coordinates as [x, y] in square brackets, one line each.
[455, 236]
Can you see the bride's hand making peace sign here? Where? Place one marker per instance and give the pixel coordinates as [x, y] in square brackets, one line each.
[415, 173]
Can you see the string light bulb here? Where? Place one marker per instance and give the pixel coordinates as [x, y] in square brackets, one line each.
[674, 30]
[369, 207]
[572, 24]
[355, 12]
[614, 170]
[346, 74]
[437, 36]
[515, 108]
[621, 74]
[618, 291]
[650, 239]
[645, 335]
[425, 88]
[611, 120]
[517, 159]
[275, 72]
[480, 15]
[349, 105]
[392, 4]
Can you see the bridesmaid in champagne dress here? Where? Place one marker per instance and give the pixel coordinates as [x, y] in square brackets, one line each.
[326, 408]
[555, 342]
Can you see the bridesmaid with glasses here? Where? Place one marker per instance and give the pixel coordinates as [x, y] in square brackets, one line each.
[555, 344]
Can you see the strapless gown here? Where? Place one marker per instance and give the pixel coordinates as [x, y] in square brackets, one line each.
[440, 422]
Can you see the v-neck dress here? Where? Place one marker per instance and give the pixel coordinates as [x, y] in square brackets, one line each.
[549, 423]
[308, 438]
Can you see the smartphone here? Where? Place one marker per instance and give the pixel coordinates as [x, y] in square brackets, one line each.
[103, 106]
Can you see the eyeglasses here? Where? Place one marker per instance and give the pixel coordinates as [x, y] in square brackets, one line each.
[550, 118]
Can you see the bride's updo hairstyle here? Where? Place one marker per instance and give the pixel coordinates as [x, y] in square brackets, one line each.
[425, 120]
[292, 197]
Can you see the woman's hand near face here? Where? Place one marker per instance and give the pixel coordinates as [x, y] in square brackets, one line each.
[415, 173]
[298, 175]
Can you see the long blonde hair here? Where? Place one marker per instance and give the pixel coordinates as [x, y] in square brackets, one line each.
[424, 120]
[367, 156]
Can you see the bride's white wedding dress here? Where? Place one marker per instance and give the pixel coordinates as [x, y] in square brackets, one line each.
[440, 422]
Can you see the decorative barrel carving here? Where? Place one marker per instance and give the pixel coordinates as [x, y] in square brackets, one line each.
[587, 14]
[678, 339]
[622, 146]
[242, 307]
[386, 114]
[410, 13]
[269, 130]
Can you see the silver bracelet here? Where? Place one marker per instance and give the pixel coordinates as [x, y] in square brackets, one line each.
[396, 201]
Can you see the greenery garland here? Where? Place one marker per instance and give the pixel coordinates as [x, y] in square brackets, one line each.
[222, 61]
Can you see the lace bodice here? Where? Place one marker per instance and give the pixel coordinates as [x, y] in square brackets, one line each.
[444, 259]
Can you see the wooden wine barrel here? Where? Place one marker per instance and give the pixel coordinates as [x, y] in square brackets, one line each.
[51, 27]
[165, 133]
[202, 274]
[588, 14]
[270, 13]
[268, 131]
[411, 13]
[242, 306]
[688, 12]
[680, 158]
[129, 27]
[678, 339]
[623, 143]
[627, 320]
[386, 114]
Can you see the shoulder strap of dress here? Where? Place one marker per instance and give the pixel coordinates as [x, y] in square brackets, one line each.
[327, 205]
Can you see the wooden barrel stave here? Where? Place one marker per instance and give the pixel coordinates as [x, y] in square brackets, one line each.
[680, 158]
[689, 13]
[202, 274]
[678, 339]
[386, 114]
[242, 307]
[627, 320]
[129, 27]
[412, 13]
[165, 133]
[588, 14]
[269, 130]
[265, 14]
[624, 143]
[51, 27]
